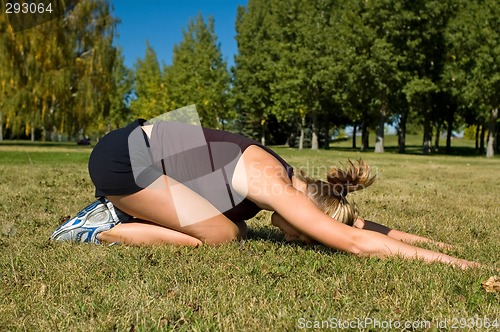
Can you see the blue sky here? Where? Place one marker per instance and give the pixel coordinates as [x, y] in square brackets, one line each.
[161, 22]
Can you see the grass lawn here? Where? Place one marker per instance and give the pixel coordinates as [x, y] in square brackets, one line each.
[264, 283]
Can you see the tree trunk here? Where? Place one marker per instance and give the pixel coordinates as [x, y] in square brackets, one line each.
[326, 144]
[427, 139]
[436, 138]
[497, 148]
[302, 129]
[402, 133]
[354, 127]
[490, 152]
[314, 139]
[477, 137]
[379, 143]
[449, 133]
[109, 127]
[481, 141]
[365, 137]
[291, 140]
[1, 126]
[263, 133]
[32, 133]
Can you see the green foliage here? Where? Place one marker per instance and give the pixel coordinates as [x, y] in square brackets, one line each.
[199, 75]
[470, 132]
[58, 76]
[252, 74]
[365, 62]
[150, 87]
[123, 77]
[472, 70]
[301, 64]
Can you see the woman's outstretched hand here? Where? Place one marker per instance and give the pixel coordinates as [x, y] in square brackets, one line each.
[465, 264]
[443, 245]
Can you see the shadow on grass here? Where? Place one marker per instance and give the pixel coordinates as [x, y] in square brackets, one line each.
[266, 234]
[276, 237]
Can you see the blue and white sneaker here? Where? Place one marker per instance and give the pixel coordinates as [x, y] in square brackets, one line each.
[97, 217]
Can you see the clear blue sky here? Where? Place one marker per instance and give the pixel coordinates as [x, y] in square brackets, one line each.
[161, 22]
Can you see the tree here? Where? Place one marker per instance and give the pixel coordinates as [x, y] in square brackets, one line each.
[283, 69]
[472, 68]
[121, 96]
[6, 79]
[364, 30]
[198, 74]
[57, 76]
[421, 43]
[305, 64]
[252, 73]
[152, 98]
[85, 37]
[289, 55]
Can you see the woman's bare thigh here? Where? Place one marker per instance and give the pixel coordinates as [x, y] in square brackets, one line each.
[187, 212]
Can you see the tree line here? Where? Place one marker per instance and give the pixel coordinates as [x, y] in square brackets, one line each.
[320, 63]
[304, 69]
[62, 77]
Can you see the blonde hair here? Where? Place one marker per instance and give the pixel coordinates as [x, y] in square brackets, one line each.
[330, 195]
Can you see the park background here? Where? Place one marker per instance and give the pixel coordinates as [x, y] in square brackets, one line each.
[313, 69]
[303, 73]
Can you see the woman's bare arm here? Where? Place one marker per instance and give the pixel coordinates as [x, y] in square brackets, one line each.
[268, 186]
[317, 225]
[396, 234]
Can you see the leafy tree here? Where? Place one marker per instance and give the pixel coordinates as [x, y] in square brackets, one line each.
[88, 31]
[289, 57]
[57, 76]
[422, 45]
[123, 78]
[365, 29]
[283, 67]
[472, 70]
[6, 75]
[305, 66]
[252, 73]
[152, 98]
[199, 75]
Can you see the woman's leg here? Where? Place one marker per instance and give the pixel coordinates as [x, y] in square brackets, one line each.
[189, 214]
[145, 233]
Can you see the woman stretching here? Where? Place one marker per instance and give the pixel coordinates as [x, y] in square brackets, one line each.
[174, 183]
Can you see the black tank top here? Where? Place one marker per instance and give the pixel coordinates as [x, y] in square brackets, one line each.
[202, 159]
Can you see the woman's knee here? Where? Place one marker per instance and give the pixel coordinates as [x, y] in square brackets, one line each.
[220, 234]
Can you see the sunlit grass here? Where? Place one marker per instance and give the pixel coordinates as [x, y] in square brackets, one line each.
[261, 284]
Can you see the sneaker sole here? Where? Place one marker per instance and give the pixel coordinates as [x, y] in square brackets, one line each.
[74, 223]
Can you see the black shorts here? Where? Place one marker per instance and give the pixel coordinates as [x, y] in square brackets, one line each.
[109, 164]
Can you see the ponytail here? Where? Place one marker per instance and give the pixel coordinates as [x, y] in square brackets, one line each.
[354, 177]
[330, 195]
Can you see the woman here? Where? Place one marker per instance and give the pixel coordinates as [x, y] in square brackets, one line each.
[152, 172]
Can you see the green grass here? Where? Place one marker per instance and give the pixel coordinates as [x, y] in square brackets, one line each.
[263, 284]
